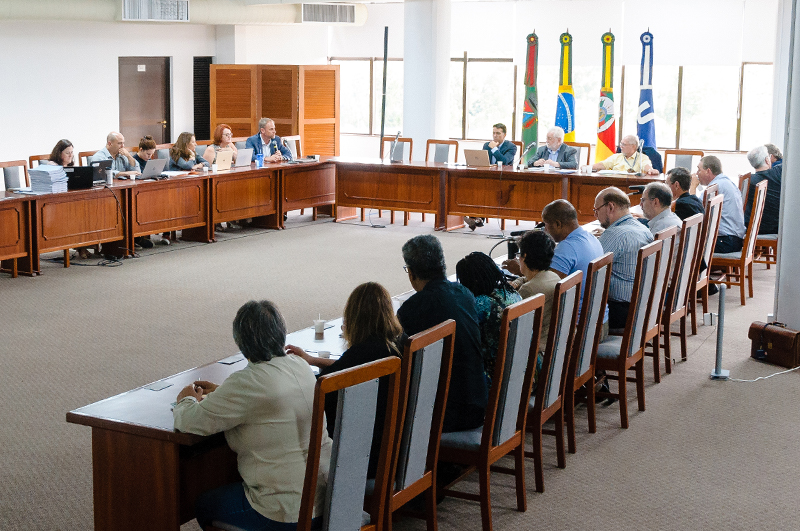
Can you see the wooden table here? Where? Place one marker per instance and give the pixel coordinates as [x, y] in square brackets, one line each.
[15, 234]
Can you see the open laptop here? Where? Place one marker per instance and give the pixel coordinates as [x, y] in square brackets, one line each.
[224, 159]
[99, 170]
[79, 177]
[244, 157]
[477, 157]
[152, 169]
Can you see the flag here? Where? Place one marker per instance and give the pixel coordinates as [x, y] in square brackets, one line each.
[565, 108]
[645, 124]
[530, 110]
[606, 124]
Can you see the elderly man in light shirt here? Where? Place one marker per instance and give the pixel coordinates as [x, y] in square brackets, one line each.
[656, 201]
[556, 153]
[630, 160]
[731, 223]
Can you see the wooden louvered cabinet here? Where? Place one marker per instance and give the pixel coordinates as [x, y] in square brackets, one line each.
[303, 100]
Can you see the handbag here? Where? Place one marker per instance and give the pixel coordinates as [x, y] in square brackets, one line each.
[775, 343]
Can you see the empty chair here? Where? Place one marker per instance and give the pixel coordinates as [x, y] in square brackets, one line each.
[620, 354]
[553, 376]
[424, 382]
[708, 240]
[584, 346]
[503, 430]
[684, 158]
[15, 174]
[38, 159]
[294, 145]
[395, 151]
[667, 236]
[583, 149]
[442, 150]
[741, 262]
[352, 438]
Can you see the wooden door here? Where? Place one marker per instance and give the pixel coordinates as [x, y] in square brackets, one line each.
[144, 105]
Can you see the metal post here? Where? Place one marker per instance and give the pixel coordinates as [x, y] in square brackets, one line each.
[719, 373]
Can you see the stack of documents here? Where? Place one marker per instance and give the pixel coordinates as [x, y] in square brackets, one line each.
[47, 179]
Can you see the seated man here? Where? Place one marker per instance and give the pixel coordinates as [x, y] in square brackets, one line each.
[623, 236]
[630, 160]
[436, 300]
[731, 223]
[775, 155]
[761, 161]
[656, 203]
[556, 153]
[687, 204]
[124, 164]
[269, 144]
[500, 149]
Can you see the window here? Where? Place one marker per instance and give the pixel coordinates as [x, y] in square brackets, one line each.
[394, 97]
[354, 96]
[709, 102]
[456, 99]
[756, 118]
[490, 97]
[665, 102]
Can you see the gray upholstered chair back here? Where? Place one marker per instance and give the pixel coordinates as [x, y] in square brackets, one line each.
[162, 153]
[352, 441]
[518, 344]
[241, 144]
[684, 264]
[713, 223]
[415, 439]
[662, 279]
[646, 282]
[684, 161]
[293, 143]
[564, 326]
[14, 177]
[592, 304]
[755, 222]
[442, 152]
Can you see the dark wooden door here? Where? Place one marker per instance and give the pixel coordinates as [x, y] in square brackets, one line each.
[144, 99]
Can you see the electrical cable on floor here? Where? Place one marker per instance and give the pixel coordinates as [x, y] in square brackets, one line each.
[763, 377]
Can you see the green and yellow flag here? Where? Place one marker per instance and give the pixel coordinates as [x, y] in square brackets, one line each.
[565, 109]
[606, 124]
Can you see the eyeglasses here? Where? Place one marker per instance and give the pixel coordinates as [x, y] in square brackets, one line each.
[596, 210]
[227, 134]
[405, 268]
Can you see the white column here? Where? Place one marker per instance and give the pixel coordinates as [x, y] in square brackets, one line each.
[787, 286]
[783, 38]
[426, 67]
[231, 46]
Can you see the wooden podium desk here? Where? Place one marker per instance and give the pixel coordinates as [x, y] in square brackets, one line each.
[15, 233]
[308, 185]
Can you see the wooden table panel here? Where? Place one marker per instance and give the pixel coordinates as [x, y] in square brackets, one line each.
[308, 187]
[14, 226]
[244, 195]
[584, 189]
[402, 187]
[76, 219]
[507, 195]
[169, 205]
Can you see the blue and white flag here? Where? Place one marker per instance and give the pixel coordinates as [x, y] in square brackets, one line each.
[645, 118]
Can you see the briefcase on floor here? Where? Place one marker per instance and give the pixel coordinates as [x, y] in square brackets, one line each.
[774, 343]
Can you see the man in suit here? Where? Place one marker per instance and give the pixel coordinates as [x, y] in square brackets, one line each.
[556, 153]
[687, 204]
[268, 143]
[500, 149]
[761, 160]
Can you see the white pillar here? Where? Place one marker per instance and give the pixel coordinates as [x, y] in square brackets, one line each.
[783, 37]
[426, 68]
[231, 46]
[787, 285]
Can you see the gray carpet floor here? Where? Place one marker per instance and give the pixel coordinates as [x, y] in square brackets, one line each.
[705, 454]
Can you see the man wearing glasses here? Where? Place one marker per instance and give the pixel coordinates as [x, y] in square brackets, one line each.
[630, 160]
[623, 236]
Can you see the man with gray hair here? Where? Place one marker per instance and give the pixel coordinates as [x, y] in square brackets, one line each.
[268, 143]
[656, 202]
[775, 155]
[731, 221]
[630, 160]
[761, 161]
[555, 153]
[436, 300]
[123, 165]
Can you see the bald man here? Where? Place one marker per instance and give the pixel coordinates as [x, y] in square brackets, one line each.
[124, 164]
[630, 160]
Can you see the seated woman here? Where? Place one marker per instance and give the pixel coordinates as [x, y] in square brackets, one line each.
[479, 274]
[183, 155]
[223, 137]
[372, 332]
[63, 154]
[147, 148]
[265, 411]
[536, 249]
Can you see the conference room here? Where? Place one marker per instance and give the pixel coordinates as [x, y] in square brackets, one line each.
[100, 330]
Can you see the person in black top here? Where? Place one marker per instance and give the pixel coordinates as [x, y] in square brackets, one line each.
[371, 332]
[761, 160]
[686, 204]
[436, 300]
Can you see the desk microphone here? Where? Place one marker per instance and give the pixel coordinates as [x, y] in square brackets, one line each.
[394, 146]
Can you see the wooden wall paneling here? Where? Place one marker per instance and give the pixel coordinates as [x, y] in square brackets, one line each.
[319, 109]
[234, 98]
[278, 96]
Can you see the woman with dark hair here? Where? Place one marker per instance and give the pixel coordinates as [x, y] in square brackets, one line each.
[183, 155]
[265, 411]
[223, 141]
[63, 154]
[371, 332]
[536, 249]
[147, 148]
[478, 273]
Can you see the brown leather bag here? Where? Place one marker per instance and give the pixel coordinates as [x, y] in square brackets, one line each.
[774, 343]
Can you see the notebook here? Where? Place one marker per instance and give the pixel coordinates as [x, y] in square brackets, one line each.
[477, 157]
[153, 169]
[244, 157]
[100, 167]
[224, 159]
[79, 177]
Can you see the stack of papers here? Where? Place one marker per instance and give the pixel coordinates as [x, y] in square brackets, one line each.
[48, 179]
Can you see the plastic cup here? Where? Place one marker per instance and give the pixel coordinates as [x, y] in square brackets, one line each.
[109, 177]
[324, 354]
[214, 168]
[319, 326]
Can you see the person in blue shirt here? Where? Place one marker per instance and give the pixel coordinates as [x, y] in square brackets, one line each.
[183, 155]
[268, 143]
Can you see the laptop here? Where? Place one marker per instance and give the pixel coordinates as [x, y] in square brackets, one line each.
[153, 169]
[244, 157]
[477, 157]
[79, 177]
[99, 173]
[224, 159]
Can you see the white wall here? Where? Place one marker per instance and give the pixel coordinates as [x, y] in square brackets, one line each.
[61, 79]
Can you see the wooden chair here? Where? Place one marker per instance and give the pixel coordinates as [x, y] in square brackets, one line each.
[204, 142]
[37, 158]
[623, 353]
[503, 430]
[710, 193]
[554, 374]
[135, 149]
[162, 151]
[294, 144]
[675, 308]
[683, 158]
[582, 148]
[667, 237]
[424, 382]
[390, 139]
[767, 249]
[83, 157]
[708, 240]
[355, 420]
[741, 262]
[239, 141]
[15, 174]
[744, 187]
[587, 336]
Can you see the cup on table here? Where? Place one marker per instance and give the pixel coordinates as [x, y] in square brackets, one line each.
[259, 160]
[319, 326]
[214, 168]
[324, 354]
[586, 169]
[205, 168]
[109, 177]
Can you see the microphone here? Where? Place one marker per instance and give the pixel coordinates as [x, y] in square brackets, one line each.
[394, 145]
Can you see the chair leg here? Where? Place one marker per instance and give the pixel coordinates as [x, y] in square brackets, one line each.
[430, 509]
[704, 295]
[362, 214]
[313, 214]
[536, 453]
[559, 421]
[391, 217]
[750, 278]
[639, 367]
[423, 217]
[502, 224]
[66, 257]
[405, 218]
[692, 307]
[14, 270]
[667, 348]
[623, 398]
[591, 407]
[656, 359]
[742, 285]
[302, 211]
[517, 222]
[683, 337]
[569, 404]
[485, 495]
[519, 475]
